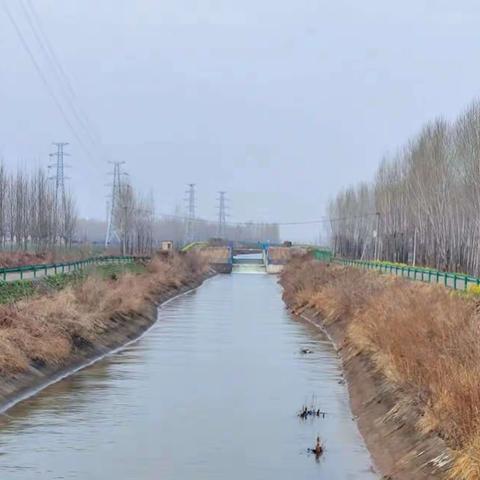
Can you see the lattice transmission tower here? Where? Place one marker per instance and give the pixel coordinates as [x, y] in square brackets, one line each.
[190, 216]
[222, 215]
[59, 177]
[114, 202]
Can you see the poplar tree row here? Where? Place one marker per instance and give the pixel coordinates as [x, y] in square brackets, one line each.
[32, 214]
[134, 220]
[424, 202]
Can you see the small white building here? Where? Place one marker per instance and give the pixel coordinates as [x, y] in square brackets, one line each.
[166, 245]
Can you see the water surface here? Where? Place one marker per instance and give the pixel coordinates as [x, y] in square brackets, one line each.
[210, 392]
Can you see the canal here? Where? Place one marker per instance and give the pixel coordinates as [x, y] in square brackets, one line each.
[210, 392]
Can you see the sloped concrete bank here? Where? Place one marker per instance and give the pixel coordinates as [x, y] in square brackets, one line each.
[399, 451]
[119, 332]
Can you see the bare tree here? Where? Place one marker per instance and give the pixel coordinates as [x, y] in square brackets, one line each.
[428, 198]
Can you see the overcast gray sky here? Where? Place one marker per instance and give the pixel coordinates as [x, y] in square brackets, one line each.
[281, 103]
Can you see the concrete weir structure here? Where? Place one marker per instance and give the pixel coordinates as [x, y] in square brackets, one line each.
[227, 259]
[277, 257]
[219, 257]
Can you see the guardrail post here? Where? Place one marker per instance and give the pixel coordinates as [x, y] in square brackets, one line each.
[454, 281]
[466, 282]
[445, 279]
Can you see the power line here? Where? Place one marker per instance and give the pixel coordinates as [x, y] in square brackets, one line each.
[49, 47]
[327, 220]
[305, 222]
[42, 76]
[40, 36]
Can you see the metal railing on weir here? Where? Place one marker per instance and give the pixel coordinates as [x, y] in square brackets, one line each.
[63, 267]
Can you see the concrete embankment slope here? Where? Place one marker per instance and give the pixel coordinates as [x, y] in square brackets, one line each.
[55, 335]
[397, 394]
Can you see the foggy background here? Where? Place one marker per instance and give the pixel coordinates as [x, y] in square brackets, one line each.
[279, 103]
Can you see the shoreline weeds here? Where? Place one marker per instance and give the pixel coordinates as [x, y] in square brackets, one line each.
[130, 329]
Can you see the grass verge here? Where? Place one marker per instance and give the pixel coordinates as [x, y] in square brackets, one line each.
[14, 291]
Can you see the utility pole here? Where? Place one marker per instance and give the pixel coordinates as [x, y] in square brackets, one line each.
[59, 178]
[190, 220]
[377, 235]
[222, 216]
[114, 203]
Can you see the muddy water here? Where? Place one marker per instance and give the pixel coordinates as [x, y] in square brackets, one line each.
[211, 392]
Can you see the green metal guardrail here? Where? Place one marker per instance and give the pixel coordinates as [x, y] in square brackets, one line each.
[322, 254]
[456, 281]
[68, 266]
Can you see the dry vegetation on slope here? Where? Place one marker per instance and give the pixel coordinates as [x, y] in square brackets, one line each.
[422, 338]
[43, 331]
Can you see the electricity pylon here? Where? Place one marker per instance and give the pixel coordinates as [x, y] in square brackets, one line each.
[114, 202]
[59, 176]
[190, 217]
[222, 216]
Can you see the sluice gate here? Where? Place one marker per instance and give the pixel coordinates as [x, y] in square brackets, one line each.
[249, 263]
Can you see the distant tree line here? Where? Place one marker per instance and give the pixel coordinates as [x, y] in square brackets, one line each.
[243, 232]
[32, 215]
[156, 228]
[424, 201]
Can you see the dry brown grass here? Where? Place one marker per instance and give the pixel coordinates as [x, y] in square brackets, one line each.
[423, 338]
[283, 254]
[45, 330]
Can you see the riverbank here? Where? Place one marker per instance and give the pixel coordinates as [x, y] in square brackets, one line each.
[411, 359]
[46, 337]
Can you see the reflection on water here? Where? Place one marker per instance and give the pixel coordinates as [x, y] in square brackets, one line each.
[211, 392]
